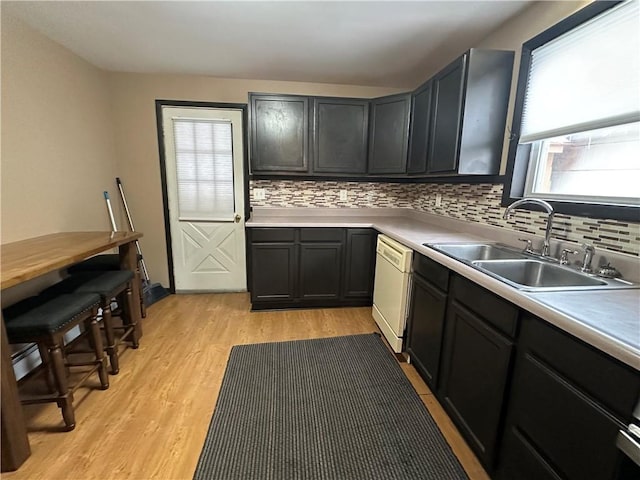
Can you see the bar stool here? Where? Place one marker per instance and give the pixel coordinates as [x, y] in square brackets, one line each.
[108, 285]
[107, 262]
[45, 321]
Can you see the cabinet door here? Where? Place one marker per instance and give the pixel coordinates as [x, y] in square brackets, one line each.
[320, 270]
[476, 361]
[426, 321]
[447, 117]
[419, 136]
[340, 132]
[559, 425]
[279, 133]
[388, 134]
[273, 271]
[360, 263]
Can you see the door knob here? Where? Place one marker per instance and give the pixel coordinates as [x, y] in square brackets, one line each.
[237, 218]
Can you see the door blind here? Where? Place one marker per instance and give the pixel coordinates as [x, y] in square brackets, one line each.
[204, 169]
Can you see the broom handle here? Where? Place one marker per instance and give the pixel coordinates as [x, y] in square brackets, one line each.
[145, 273]
[110, 210]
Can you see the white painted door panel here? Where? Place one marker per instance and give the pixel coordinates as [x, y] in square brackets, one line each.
[207, 233]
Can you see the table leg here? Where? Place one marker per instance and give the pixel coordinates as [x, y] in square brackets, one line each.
[15, 444]
[129, 261]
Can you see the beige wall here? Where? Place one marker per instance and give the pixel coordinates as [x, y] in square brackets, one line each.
[512, 34]
[133, 97]
[57, 154]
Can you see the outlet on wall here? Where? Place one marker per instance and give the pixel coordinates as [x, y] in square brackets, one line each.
[259, 194]
[343, 195]
[438, 200]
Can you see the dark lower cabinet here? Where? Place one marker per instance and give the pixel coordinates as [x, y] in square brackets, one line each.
[473, 384]
[320, 268]
[559, 424]
[426, 317]
[359, 263]
[274, 271]
[308, 267]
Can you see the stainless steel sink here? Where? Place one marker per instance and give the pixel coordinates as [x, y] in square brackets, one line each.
[523, 271]
[535, 273]
[477, 251]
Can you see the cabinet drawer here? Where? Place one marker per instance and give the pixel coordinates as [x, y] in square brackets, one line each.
[493, 309]
[616, 385]
[431, 271]
[272, 234]
[321, 234]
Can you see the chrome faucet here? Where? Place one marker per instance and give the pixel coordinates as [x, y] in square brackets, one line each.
[549, 209]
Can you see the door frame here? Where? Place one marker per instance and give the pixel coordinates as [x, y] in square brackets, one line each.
[163, 167]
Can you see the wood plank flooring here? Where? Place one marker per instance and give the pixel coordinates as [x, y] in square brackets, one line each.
[152, 421]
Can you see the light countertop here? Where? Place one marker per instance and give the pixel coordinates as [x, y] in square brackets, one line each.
[608, 320]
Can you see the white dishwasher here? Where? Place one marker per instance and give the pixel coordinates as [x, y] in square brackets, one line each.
[391, 289]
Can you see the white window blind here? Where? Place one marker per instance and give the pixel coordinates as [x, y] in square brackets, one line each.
[204, 169]
[585, 79]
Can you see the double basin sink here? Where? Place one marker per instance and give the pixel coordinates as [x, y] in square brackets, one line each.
[524, 271]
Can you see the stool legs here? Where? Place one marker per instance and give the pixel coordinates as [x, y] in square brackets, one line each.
[65, 402]
[127, 316]
[111, 348]
[46, 366]
[99, 351]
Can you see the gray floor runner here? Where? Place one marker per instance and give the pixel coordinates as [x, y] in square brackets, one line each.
[335, 408]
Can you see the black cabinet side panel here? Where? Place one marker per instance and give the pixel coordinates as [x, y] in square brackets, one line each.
[485, 111]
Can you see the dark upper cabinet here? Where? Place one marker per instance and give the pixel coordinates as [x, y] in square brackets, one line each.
[360, 263]
[279, 134]
[447, 115]
[419, 129]
[388, 134]
[339, 135]
[469, 112]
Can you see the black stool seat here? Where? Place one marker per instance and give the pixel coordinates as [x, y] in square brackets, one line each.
[101, 282]
[42, 315]
[45, 320]
[99, 263]
[107, 284]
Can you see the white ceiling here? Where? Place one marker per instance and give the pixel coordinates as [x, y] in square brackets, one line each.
[364, 43]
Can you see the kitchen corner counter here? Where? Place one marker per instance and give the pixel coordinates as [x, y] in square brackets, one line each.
[608, 320]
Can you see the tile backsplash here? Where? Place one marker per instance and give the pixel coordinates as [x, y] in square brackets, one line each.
[475, 203]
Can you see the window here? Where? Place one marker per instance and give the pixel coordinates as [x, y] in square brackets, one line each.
[204, 169]
[577, 115]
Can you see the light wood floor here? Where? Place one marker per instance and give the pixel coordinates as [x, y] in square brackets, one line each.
[152, 421]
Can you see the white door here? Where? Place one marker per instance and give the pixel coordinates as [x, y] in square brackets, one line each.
[205, 189]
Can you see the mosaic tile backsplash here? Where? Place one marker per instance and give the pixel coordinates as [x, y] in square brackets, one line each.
[475, 203]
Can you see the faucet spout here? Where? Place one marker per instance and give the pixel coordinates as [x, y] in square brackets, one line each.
[550, 212]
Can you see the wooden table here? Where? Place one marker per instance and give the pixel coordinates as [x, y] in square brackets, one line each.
[28, 259]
